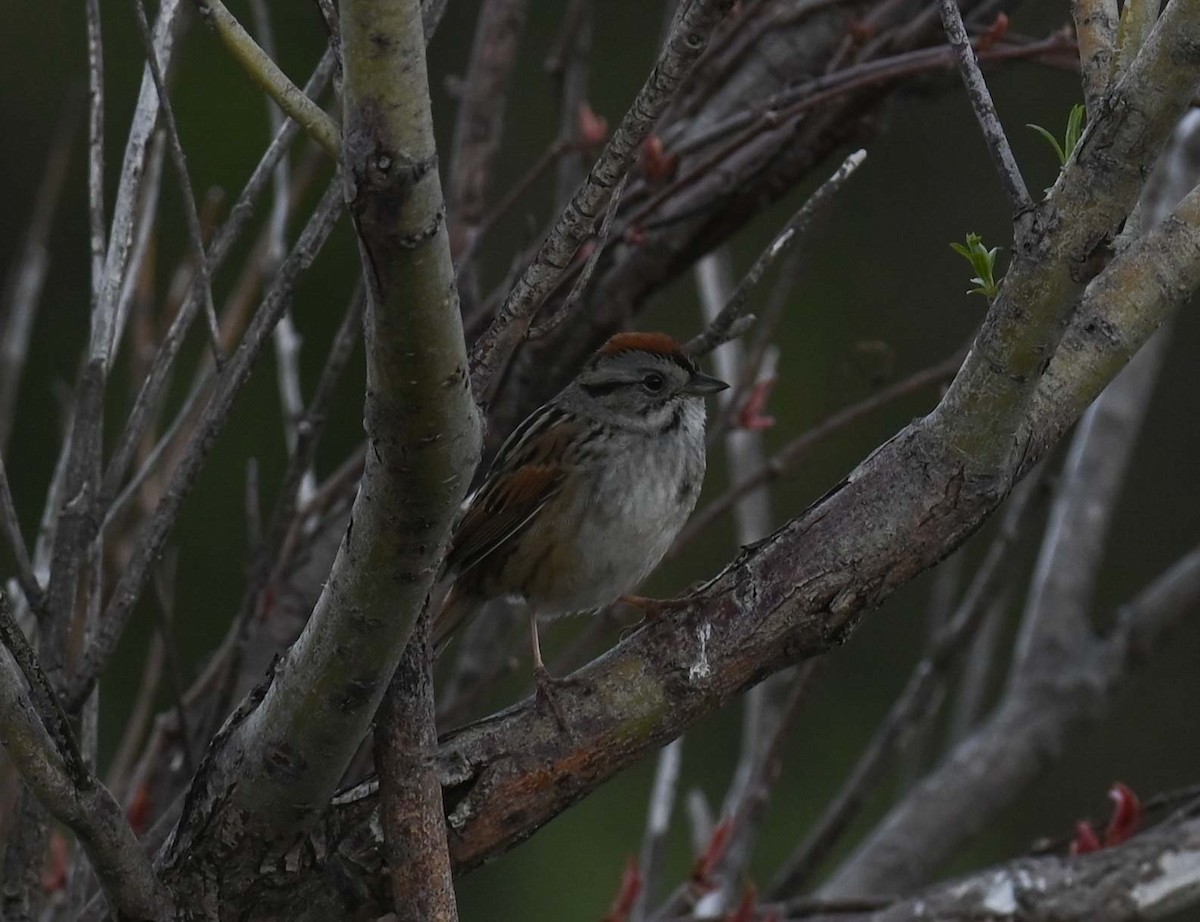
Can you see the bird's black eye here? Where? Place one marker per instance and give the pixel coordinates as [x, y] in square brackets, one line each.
[654, 382]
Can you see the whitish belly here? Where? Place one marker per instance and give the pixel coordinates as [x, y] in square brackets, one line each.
[616, 534]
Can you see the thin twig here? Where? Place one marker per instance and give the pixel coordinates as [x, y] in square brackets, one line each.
[237, 371]
[26, 578]
[102, 337]
[555, 320]
[145, 222]
[658, 824]
[329, 13]
[222, 243]
[95, 144]
[45, 701]
[266, 73]
[721, 327]
[687, 42]
[285, 338]
[179, 159]
[985, 109]
[26, 278]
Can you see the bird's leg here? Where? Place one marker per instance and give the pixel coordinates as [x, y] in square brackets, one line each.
[546, 683]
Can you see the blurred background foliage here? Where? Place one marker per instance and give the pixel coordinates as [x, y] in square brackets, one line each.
[880, 295]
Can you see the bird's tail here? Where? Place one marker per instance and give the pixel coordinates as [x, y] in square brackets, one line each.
[457, 610]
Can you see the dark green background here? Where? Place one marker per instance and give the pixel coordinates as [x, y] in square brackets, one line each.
[879, 269]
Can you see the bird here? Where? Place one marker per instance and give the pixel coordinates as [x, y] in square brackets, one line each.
[587, 494]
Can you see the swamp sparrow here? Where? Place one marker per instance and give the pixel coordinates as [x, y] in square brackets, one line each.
[585, 497]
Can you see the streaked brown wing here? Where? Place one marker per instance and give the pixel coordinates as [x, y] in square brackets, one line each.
[526, 474]
[511, 502]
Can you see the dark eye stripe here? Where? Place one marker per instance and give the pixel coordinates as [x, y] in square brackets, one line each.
[607, 387]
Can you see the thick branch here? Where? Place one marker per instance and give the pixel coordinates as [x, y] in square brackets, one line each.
[281, 757]
[1065, 239]
[1150, 877]
[1096, 31]
[414, 826]
[792, 596]
[1062, 675]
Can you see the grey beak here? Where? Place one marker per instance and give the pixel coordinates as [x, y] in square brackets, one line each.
[703, 385]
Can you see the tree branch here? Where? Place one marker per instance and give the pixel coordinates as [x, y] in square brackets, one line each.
[1060, 243]
[237, 371]
[410, 794]
[686, 43]
[281, 755]
[77, 799]
[985, 109]
[903, 509]
[266, 73]
[721, 327]
[1096, 31]
[1152, 876]
[1050, 690]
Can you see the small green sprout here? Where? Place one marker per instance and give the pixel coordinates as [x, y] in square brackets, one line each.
[1075, 123]
[983, 261]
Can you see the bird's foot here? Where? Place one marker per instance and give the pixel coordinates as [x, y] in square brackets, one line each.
[547, 694]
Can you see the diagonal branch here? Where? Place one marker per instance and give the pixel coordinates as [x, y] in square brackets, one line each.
[722, 327]
[179, 160]
[1062, 242]
[792, 596]
[237, 371]
[73, 795]
[273, 81]
[1062, 674]
[687, 42]
[985, 109]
